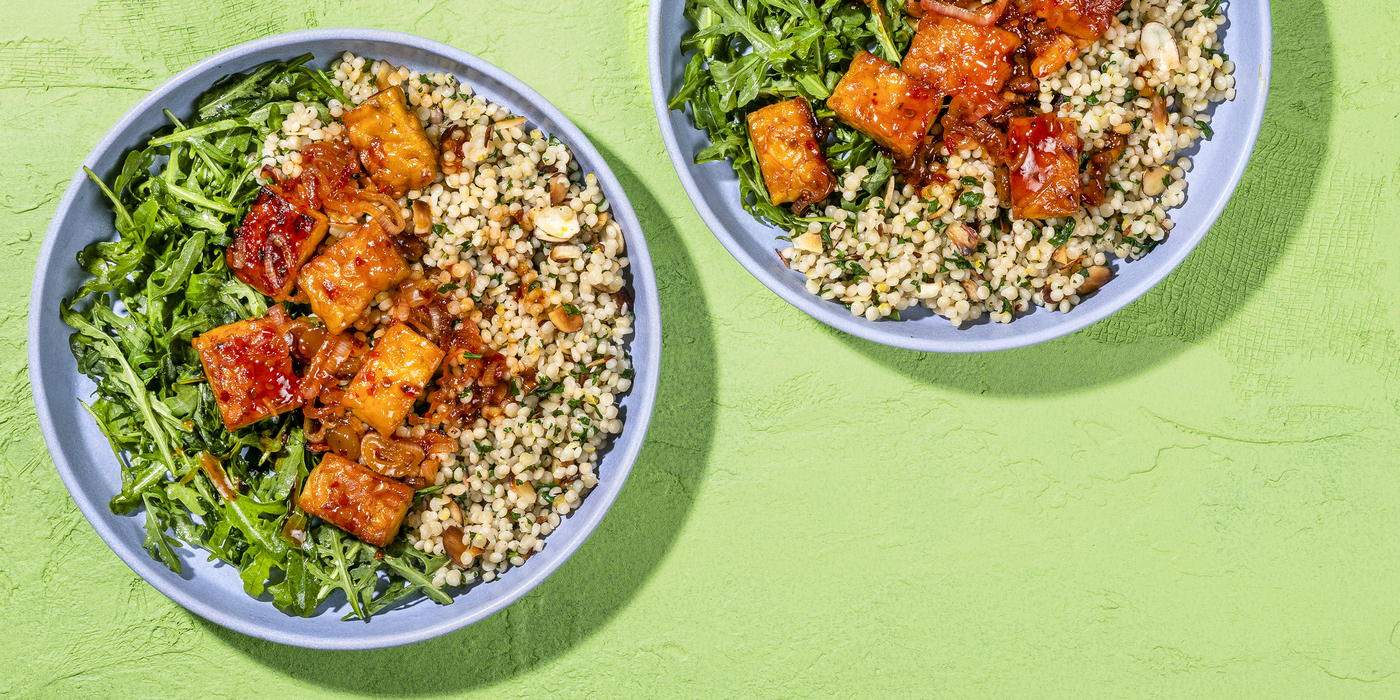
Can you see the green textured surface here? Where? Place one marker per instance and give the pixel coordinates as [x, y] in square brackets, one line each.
[1195, 497]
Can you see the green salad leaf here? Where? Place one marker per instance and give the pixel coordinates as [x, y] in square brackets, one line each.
[747, 55]
[160, 282]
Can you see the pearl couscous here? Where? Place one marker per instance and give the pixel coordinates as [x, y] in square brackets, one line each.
[520, 468]
[896, 254]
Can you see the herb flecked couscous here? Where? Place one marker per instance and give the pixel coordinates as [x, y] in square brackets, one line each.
[903, 200]
[520, 467]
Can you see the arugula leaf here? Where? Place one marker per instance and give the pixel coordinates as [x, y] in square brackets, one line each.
[751, 54]
[157, 543]
[157, 284]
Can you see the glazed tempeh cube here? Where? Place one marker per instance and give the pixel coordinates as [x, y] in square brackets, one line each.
[272, 243]
[392, 378]
[249, 368]
[789, 155]
[1043, 159]
[957, 58]
[356, 500]
[392, 146]
[341, 282]
[1083, 19]
[885, 104]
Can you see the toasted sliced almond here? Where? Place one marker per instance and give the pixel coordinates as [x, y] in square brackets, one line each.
[422, 218]
[962, 238]
[1154, 182]
[455, 548]
[526, 219]
[970, 287]
[556, 224]
[524, 493]
[810, 242]
[565, 321]
[1159, 112]
[558, 188]
[1159, 46]
[562, 253]
[1094, 278]
[382, 71]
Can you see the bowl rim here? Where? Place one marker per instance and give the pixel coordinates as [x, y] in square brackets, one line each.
[646, 336]
[886, 332]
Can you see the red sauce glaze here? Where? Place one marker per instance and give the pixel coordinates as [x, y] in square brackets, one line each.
[273, 241]
[785, 140]
[329, 178]
[249, 367]
[1043, 159]
[470, 384]
[885, 104]
[957, 58]
[1096, 174]
[1084, 19]
[960, 131]
[355, 499]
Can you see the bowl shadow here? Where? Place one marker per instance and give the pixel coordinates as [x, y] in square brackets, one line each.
[1215, 282]
[605, 574]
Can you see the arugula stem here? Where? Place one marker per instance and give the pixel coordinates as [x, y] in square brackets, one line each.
[418, 579]
[124, 222]
[891, 54]
[342, 574]
[200, 131]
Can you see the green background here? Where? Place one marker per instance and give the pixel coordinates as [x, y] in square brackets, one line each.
[1195, 497]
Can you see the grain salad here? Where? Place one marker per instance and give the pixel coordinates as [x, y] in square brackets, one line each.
[518, 470]
[362, 331]
[948, 214]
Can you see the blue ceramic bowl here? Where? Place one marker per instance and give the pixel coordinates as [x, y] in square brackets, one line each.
[714, 189]
[90, 471]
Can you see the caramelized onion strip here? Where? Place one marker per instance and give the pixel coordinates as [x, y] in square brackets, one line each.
[981, 19]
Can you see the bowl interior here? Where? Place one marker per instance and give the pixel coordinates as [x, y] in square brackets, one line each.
[86, 463]
[1218, 164]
